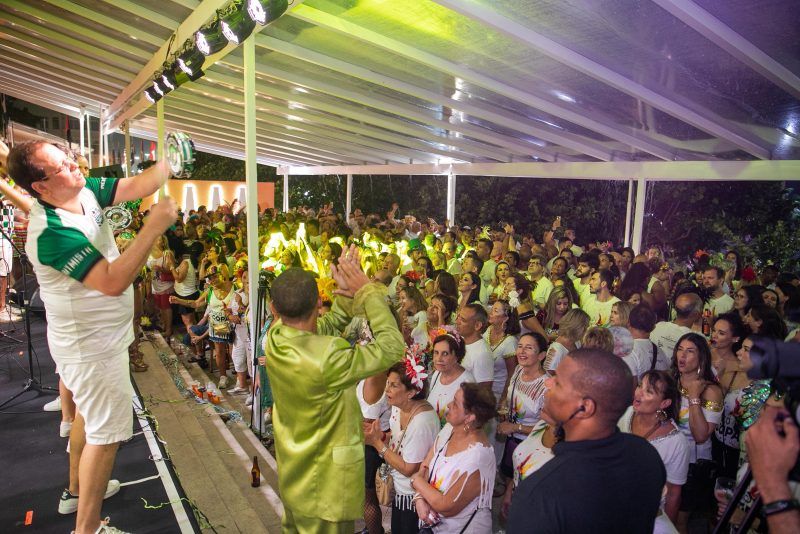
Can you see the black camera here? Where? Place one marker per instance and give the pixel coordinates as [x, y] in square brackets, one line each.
[779, 362]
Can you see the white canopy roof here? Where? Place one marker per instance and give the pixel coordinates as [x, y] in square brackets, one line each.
[345, 83]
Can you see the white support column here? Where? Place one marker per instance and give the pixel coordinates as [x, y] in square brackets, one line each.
[628, 211]
[638, 219]
[162, 149]
[82, 123]
[106, 149]
[127, 129]
[285, 193]
[100, 140]
[348, 208]
[251, 178]
[89, 140]
[451, 197]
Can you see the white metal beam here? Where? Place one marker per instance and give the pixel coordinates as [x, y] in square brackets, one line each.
[10, 65]
[74, 28]
[581, 117]
[451, 199]
[705, 120]
[670, 171]
[40, 99]
[285, 193]
[10, 21]
[732, 42]
[105, 20]
[251, 181]
[491, 114]
[141, 11]
[628, 209]
[638, 218]
[348, 204]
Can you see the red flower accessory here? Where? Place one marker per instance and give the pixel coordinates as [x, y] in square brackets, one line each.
[748, 274]
[415, 371]
[414, 276]
[700, 253]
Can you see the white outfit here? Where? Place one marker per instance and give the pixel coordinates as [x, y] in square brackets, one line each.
[160, 286]
[241, 334]
[599, 312]
[525, 400]
[479, 361]
[507, 348]
[416, 442]
[445, 474]
[554, 355]
[640, 359]
[718, 306]
[531, 454]
[541, 292]
[674, 451]
[380, 411]
[440, 394]
[188, 286]
[697, 450]
[666, 336]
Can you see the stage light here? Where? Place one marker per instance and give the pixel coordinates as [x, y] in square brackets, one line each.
[236, 26]
[169, 80]
[210, 40]
[158, 88]
[196, 75]
[151, 95]
[265, 11]
[191, 61]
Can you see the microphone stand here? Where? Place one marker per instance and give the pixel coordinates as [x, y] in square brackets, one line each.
[32, 384]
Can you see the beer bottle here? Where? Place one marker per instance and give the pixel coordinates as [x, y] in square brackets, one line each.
[707, 322]
[255, 473]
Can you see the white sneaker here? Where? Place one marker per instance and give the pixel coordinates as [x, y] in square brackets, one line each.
[249, 400]
[105, 528]
[53, 406]
[238, 390]
[223, 382]
[69, 502]
[65, 428]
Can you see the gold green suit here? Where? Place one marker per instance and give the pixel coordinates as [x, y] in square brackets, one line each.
[319, 440]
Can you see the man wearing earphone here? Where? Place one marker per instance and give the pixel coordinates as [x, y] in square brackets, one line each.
[600, 480]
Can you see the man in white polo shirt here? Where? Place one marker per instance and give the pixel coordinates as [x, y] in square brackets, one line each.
[85, 285]
[598, 304]
[719, 302]
[541, 285]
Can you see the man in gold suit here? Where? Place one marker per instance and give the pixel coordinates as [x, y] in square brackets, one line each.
[319, 442]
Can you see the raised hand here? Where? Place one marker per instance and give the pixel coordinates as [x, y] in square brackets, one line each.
[348, 274]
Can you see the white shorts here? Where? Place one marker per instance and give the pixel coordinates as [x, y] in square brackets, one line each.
[239, 354]
[6, 257]
[103, 394]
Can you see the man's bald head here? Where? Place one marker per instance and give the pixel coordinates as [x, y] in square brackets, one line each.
[604, 378]
[688, 304]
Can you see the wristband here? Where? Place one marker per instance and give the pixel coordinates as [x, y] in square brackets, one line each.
[778, 507]
[383, 451]
[695, 402]
[519, 428]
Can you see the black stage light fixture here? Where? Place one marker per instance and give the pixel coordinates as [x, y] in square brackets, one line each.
[196, 75]
[191, 61]
[160, 89]
[237, 26]
[151, 95]
[265, 11]
[169, 80]
[210, 40]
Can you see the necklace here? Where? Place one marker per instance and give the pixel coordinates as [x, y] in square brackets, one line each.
[655, 427]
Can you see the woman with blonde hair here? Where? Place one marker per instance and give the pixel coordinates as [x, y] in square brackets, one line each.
[620, 312]
[558, 304]
[598, 337]
[570, 331]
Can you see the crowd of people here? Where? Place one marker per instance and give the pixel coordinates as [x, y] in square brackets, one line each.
[491, 367]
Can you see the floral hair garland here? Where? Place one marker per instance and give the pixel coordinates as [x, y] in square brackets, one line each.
[415, 370]
[446, 330]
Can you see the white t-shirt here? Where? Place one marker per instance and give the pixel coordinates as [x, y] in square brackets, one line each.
[584, 292]
[525, 400]
[666, 336]
[599, 312]
[440, 394]
[82, 324]
[507, 348]
[479, 361]
[714, 416]
[416, 442]
[673, 449]
[531, 454]
[542, 291]
[640, 358]
[718, 306]
[380, 410]
[554, 355]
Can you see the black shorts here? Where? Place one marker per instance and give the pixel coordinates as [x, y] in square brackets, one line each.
[371, 464]
[185, 310]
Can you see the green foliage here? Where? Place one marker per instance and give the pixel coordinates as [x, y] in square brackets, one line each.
[221, 169]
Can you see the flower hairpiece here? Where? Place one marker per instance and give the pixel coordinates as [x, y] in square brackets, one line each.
[415, 371]
[446, 330]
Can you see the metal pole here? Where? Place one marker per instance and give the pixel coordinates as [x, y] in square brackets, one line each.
[285, 193]
[349, 202]
[628, 210]
[451, 197]
[161, 140]
[251, 179]
[101, 139]
[638, 219]
[127, 129]
[89, 139]
[82, 122]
